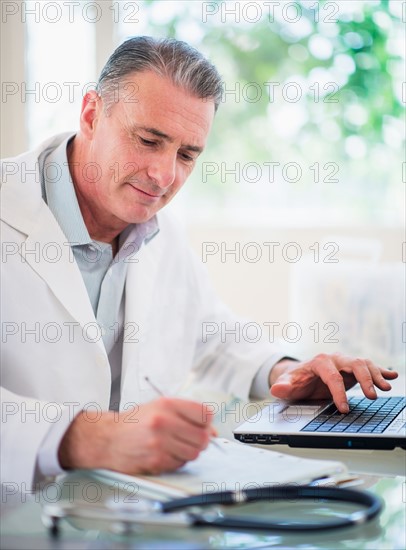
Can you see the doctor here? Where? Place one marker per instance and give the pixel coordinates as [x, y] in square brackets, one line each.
[101, 290]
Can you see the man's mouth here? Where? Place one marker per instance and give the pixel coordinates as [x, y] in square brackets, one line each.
[146, 194]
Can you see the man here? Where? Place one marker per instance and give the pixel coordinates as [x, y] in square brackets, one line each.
[101, 291]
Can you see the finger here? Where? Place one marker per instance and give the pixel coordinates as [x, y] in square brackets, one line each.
[369, 375]
[192, 411]
[327, 371]
[163, 419]
[182, 428]
[171, 454]
[196, 438]
[379, 375]
[389, 373]
[182, 451]
[361, 370]
[165, 463]
[152, 459]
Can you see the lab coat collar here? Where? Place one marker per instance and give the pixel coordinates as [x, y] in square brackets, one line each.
[22, 202]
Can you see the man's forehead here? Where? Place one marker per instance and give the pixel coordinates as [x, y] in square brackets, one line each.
[150, 84]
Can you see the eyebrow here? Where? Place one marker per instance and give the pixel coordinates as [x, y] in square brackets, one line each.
[165, 137]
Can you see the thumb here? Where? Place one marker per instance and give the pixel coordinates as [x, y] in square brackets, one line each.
[282, 389]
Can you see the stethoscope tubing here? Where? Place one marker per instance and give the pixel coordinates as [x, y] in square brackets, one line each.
[372, 506]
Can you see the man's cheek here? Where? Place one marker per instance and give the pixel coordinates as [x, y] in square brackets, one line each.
[123, 171]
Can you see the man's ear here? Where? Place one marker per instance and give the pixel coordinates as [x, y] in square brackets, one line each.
[91, 109]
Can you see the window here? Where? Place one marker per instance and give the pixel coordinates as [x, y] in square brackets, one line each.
[60, 66]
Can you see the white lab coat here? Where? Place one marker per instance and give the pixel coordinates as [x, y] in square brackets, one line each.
[52, 353]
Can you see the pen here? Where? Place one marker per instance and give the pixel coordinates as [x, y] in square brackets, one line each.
[159, 392]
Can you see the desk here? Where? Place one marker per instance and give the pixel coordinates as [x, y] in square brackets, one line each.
[22, 527]
[382, 472]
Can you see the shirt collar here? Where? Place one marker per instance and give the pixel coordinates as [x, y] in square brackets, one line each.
[142, 232]
[61, 196]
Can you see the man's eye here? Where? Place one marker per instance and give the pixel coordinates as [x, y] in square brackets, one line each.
[147, 142]
[186, 157]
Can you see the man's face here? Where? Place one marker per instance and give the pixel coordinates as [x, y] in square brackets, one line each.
[143, 148]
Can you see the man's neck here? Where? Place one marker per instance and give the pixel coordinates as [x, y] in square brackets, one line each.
[99, 227]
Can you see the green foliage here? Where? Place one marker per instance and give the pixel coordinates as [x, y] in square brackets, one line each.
[261, 52]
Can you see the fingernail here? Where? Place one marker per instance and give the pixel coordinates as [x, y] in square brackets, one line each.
[345, 408]
[372, 389]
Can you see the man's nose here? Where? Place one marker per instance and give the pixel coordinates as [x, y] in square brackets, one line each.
[162, 170]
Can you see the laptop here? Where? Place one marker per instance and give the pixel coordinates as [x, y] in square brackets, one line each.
[370, 424]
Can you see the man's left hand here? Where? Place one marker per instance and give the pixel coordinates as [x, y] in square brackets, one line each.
[328, 376]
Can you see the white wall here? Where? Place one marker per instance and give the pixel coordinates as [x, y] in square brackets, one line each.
[264, 291]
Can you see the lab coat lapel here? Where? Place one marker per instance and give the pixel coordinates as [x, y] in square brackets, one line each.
[140, 308]
[46, 248]
[54, 262]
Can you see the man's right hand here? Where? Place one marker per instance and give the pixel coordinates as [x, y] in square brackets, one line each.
[156, 437]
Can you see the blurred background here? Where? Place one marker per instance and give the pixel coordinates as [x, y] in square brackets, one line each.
[297, 207]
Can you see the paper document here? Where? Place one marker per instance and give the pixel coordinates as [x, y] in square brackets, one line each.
[239, 467]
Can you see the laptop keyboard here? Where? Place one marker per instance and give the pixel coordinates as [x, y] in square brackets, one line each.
[365, 416]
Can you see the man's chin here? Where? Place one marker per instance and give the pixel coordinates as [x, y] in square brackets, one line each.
[141, 214]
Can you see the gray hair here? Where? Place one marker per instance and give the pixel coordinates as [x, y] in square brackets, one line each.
[167, 57]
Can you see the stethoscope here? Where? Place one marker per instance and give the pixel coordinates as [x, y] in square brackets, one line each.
[199, 510]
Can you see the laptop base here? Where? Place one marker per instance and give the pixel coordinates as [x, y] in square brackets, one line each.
[325, 442]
